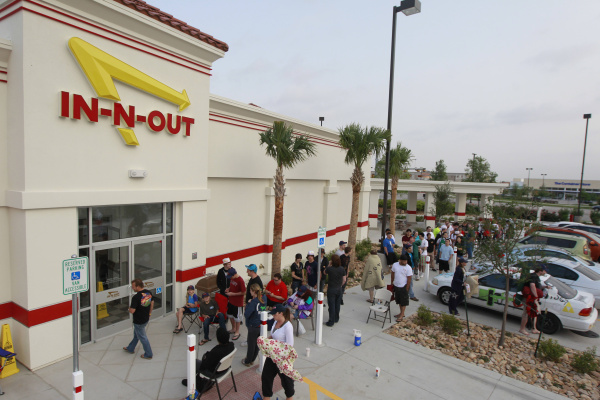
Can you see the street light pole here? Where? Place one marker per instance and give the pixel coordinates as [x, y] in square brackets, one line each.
[544, 180]
[528, 175]
[408, 7]
[473, 168]
[587, 121]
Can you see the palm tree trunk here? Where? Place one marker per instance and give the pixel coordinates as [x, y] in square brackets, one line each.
[279, 188]
[393, 208]
[356, 180]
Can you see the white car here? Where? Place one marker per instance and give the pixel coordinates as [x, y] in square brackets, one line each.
[537, 252]
[567, 308]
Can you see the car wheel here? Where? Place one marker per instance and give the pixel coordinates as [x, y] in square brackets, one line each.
[551, 324]
[444, 295]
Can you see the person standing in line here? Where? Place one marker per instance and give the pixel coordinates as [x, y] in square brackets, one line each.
[298, 273]
[401, 278]
[337, 277]
[257, 304]
[345, 260]
[470, 237]
[446, 252]
[276, 291]
[236, 292]
[371, 278]
[324, 264]
[388, 249]
[252, 270]
[282, 331]
[431, 250]
[415, 241]
[312, 269]
[222, 277]
[423, 253]
[141, 307]
[410, 262]
[458, 286]
[340, 249]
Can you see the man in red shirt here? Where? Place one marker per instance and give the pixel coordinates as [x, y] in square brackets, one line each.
[276, 291]
[236, 292]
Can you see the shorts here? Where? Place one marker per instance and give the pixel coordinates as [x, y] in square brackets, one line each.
[234, 312]
[391, 258]
[444, 265]
[187, 310]
[401, 295]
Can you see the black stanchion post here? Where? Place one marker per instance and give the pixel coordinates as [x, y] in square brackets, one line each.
[467, 313]
[541, 330]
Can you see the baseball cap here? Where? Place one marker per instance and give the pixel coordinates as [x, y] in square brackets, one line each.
[462, 260]
[278, 308]
[231, 272]
[302, 289]
[226, 260]
[310, 253]
[342, 242]
[252, 267]
[205, 295]
[191, 287]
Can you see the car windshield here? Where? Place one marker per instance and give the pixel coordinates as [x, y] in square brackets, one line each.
[564, 290]
[593, 275]
[584, 261]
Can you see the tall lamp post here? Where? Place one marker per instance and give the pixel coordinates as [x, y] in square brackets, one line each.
[587, 121]
[473, 168]
[408, 7]
[528, 175]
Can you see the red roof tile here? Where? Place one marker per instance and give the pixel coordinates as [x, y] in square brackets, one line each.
[168, 19]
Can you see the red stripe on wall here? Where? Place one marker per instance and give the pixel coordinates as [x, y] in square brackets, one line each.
[411, 212]
[430, 217]
[35, 317]
[373, 216]
[2, 80]
[363, 224]
[11, 13]
[9, 5]
[458, 214]
[3, 72]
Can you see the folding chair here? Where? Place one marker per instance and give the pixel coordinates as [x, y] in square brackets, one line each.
[7, 355]
[385, 297]
[222, 302]
[192, 318]
[221, 372]
[312, 321]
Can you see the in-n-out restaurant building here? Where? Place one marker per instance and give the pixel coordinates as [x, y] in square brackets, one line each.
[113, 147]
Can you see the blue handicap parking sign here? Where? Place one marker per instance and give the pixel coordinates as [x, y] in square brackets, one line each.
[75, 276]
[158, 290]
[321, 241]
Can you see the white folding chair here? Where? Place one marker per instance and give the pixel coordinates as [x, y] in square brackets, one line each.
[384, 296]
[221, 372]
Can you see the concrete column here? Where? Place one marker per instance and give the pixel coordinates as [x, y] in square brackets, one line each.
[460, 207]
[429, 210]
[374, 206]
[363, 213]
[486, 202]
[411, 209]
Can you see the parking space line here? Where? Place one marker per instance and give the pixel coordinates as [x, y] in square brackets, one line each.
[314, 389]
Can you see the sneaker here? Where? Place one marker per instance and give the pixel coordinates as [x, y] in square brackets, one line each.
[244, 344]
[246, 364]
[184, 382]
[329, 323]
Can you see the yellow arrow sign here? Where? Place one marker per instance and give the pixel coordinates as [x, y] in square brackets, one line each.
[101, 68]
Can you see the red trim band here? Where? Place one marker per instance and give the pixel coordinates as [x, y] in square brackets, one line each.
[373, 216]
[430, 217]
[2, 80]
[411, 212]
[35, 317]
[192, 348]
[459, 214]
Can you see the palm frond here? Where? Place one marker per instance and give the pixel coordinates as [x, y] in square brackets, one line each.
[360, 143]
[286, 149]
[400, 159]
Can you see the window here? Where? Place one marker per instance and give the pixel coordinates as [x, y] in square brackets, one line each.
[564, 290]
[535, 239]
[558, 242]
[496, 281]
[558, 271]
[593, 275]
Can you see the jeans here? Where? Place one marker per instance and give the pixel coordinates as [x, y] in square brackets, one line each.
[139, 333]
[219, 317]
[295, 285]
[334, 301]
[252, 352]
[270, 371]
[411, 294]
[470, 250]
[455, 300]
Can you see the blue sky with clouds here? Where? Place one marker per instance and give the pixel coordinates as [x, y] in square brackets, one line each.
[509, 80]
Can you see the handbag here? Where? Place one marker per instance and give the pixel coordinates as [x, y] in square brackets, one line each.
[391, 289]
[301, 328]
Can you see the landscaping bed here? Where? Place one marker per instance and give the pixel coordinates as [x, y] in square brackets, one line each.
[515, 359]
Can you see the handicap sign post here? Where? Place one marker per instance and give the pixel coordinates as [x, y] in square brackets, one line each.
[321, 234]
[76, 279]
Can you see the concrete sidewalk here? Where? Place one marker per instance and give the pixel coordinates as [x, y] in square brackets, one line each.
[340, 367]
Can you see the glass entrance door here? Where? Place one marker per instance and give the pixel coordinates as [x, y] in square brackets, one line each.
[149, 266]
[112, 272]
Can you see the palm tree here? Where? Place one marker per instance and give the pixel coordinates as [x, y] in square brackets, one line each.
[359, 144]
[287, 150]
[400, 159]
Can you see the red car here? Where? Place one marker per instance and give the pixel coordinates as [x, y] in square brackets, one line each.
[593, 240]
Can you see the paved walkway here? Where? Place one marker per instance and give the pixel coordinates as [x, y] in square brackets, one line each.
[340, 367]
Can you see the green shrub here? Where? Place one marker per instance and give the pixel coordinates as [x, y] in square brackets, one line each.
[351, 274]
[420, 218]
[286, 274]
[363, 248]
[424, 316]
[551, 350]
[595, 216]
[586, 361]
[563, 214]
[472, 209]
[450, 324]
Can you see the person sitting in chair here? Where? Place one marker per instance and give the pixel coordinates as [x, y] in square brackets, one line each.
[209, 310]
[211, 359]
[300, 303]
[191, 306]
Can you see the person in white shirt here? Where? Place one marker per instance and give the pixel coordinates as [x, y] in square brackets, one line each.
[401, 278]
[340, 250]
[282, 331]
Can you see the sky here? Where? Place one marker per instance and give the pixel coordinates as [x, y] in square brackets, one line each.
[508, 80]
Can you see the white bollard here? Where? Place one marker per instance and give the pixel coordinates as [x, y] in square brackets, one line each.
[427, 260]
[191, 366]
[78, 385]
[453, 261]
[263, 333]
[319, 322]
